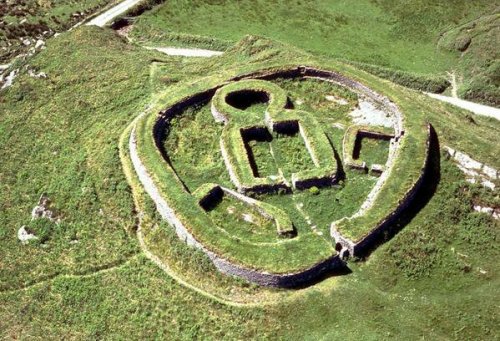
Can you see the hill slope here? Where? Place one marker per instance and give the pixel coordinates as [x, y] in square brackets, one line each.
[400, 35]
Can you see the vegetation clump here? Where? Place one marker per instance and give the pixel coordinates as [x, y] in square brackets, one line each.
[314, 190]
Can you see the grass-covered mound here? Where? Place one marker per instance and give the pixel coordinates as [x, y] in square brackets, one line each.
[287, 256]
[304, 251]
[436, 279]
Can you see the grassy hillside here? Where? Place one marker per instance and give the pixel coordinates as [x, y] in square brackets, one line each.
[22, 23]
[437, 279]
[62, 131]
[479, 66]
[401, 35]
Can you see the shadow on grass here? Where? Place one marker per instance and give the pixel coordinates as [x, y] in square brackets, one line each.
[339, 269]
[423, 195]
[430, 181]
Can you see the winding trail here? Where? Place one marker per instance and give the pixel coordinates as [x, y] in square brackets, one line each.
[100, 270]
[167, 270]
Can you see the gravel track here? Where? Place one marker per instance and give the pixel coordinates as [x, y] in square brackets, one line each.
[478, 109]
[104, 18]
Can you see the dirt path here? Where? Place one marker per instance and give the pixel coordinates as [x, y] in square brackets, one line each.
[100, 270]
[166, 269]
[112, 13]
[476, 108]
[186, 52]
[453, 82]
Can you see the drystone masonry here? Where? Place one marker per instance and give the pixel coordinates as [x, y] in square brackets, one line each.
[346, 246]
[375, 236]
[287, 280]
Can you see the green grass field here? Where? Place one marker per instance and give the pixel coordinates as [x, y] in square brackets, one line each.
[374, 151]
[90, 279]
[357, 31]
[418, 36]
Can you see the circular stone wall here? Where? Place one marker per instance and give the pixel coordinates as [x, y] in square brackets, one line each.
[269, 172]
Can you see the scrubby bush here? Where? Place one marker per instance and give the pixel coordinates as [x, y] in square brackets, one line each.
[43, 229]
[314, 190]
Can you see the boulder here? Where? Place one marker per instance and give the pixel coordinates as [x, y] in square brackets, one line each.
[42, 209]
[25, 236]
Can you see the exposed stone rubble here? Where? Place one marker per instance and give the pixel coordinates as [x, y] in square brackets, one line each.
[35, 46]
[41, 210]
[474, 170]
[24, 235]
[40, 44]
[34, 74]
[7, 80]
[494, 212]
[367, 113]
